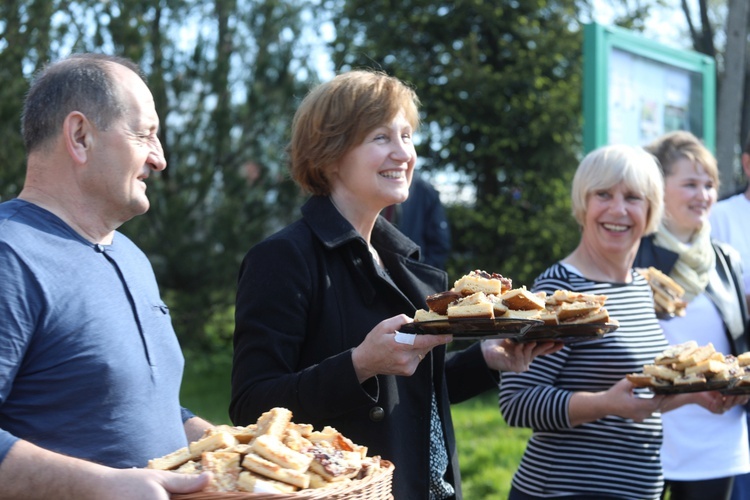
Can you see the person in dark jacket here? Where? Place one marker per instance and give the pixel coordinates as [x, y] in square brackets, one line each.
[710, 273]
[319, 303]
[422, 218]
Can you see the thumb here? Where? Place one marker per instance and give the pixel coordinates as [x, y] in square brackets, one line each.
[186, 483]
[390, 325]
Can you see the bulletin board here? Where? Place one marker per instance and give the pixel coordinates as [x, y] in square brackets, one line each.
[636, 89]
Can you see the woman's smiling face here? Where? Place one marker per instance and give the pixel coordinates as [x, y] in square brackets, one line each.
[377, 173]
[615, 220]
[689, 194]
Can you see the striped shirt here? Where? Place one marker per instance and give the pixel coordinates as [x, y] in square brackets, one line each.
[612, 456]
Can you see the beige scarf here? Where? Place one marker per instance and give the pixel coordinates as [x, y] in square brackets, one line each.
[695, 260]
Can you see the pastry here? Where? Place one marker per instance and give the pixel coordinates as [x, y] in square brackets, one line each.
[476, 305]
[439, 302]
[481, 281]
[521, 299]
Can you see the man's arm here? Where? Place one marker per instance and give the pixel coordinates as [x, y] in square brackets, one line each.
[195, 427]
[30, 472]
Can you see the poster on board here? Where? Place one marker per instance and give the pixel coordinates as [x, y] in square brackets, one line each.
[635, 89]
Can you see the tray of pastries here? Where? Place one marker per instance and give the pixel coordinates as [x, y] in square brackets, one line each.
[739, 386]
[688, 367]
[569, 333]
[484, 305]
[472, 328]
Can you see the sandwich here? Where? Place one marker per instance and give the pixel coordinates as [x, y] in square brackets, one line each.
[667, 292]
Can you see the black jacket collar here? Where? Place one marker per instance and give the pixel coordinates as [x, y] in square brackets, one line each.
[334, 230]
[649, 254]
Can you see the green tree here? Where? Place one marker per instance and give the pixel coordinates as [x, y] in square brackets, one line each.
[500, 85]
[226, 118]
[25, 35]
[719, 29]
[224, 75]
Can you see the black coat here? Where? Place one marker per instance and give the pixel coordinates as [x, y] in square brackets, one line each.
[307, 296]
[725, 287]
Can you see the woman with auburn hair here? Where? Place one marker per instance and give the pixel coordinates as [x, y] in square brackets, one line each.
[319, 303]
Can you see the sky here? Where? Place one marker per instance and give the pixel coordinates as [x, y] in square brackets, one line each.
[665, 25]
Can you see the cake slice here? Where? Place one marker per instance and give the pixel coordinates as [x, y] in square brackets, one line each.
[523, 314]
[476, 305]
[423, 315]
[521, 299]
[225, 469]
[561, 296]
[498, 307]
[662, 372]
[600, 316]
[568, 310]
[671, 354]
[439, 302]
[479, 281]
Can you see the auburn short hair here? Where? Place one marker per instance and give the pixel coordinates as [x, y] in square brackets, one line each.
[674, 146]
[336, 116]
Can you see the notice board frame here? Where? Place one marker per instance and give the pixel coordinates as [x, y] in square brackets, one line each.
[602, 44]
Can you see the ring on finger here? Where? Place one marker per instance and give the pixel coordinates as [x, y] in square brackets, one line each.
[420, 356]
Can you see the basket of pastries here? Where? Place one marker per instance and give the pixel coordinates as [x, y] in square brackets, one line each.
[277, 459]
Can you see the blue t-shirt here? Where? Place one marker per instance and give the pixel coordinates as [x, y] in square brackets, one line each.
[89, 362]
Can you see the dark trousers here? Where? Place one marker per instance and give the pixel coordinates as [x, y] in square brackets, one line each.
[708, 489]
[741, 488]
[519, 495]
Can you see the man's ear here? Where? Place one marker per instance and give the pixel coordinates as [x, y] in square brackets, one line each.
[77, 134]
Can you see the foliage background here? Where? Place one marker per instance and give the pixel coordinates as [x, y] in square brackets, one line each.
[500, 87]
[500, 84]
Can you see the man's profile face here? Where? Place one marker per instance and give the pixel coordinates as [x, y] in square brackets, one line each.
[130, 150]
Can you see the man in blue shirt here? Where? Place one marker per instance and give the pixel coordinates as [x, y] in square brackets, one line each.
[90, 367]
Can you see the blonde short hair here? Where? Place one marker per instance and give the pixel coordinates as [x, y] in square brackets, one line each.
[335, 117]
[674, 146]
[606, 167]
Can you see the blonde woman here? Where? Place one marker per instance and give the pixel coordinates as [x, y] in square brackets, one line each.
[595, 437]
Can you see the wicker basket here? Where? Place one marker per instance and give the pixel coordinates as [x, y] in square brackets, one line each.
[374, 487]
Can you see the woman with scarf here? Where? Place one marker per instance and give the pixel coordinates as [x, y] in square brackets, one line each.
[702, 451]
